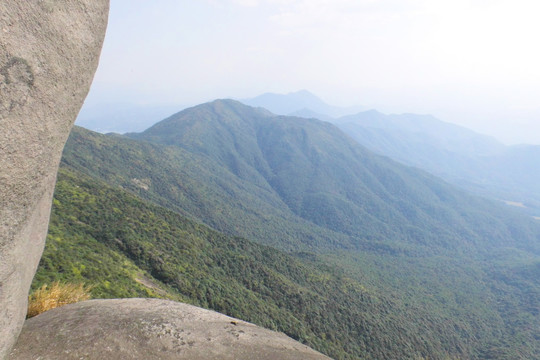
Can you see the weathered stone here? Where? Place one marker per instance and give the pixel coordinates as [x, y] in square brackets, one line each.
[49, 51]
[150, 329]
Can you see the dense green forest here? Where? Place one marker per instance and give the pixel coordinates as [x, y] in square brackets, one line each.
[369, 258]
[125, 247]
[293, 183]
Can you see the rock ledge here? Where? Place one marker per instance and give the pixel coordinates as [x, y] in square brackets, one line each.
[150, 329]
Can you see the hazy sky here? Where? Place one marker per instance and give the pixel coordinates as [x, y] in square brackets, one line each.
[471, 62]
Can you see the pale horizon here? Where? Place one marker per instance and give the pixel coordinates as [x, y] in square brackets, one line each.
[472, 63]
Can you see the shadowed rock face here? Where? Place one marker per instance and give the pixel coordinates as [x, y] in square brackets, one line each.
[150, 329]
[49, 51]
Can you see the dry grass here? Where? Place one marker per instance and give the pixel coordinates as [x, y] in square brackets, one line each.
[47, 298]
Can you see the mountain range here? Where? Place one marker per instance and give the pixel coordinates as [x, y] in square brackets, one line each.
[443, 273]
[472, 161]
[300, 103]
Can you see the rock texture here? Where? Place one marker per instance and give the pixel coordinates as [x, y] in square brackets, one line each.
[49, 51]
[149, 329]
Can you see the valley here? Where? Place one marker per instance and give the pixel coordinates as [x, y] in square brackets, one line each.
[290, 224]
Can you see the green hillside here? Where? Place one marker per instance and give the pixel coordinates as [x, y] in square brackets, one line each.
[456, 272]
[475, 162]
[197, 187]
[125, 247]
[326, 178]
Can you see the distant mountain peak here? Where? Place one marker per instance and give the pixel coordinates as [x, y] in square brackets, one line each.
[221, 102]
[299, 102]
[303, 92]
[373, 112]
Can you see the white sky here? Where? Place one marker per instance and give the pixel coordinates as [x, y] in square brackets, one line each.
[471, 62]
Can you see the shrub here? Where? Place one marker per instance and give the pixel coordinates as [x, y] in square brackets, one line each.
[47, 298]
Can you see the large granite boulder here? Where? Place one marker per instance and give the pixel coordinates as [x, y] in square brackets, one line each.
[49, 51]
[150, 329]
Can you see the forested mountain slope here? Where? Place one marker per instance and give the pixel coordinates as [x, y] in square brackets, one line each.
[462, 157]
[302, 185]
[326, 178]
[125, 247]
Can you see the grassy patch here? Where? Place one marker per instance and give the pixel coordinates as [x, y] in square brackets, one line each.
[56, 295]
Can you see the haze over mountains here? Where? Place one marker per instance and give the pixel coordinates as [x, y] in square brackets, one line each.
[475, 162]
[121, 117]
[463, 157]
[454, 275]
[300, 102]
